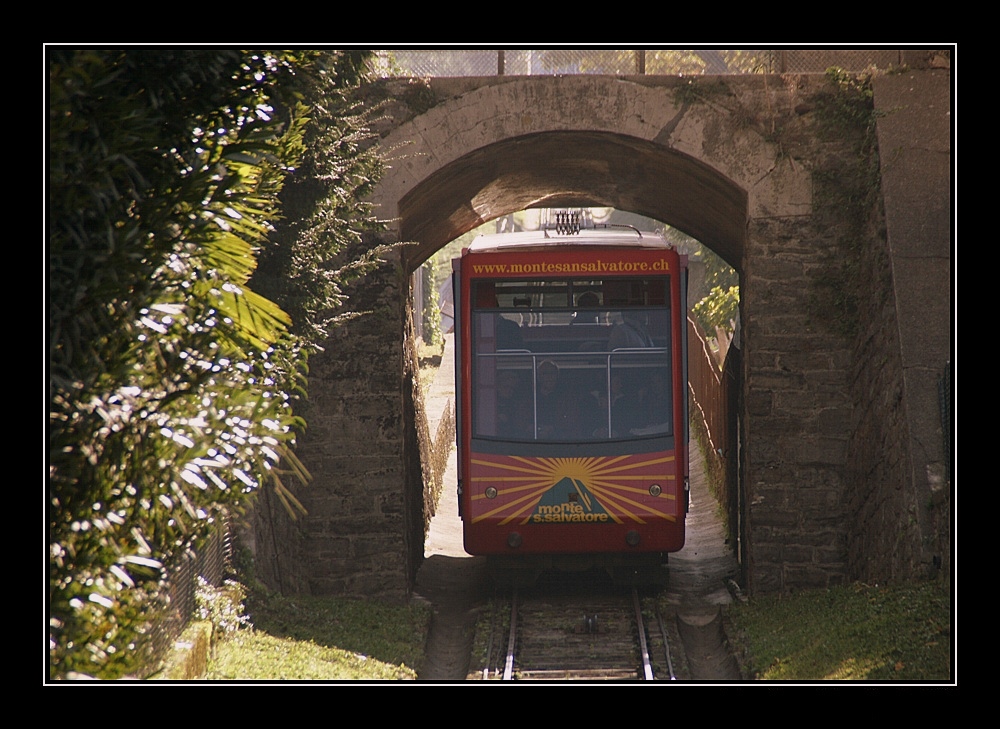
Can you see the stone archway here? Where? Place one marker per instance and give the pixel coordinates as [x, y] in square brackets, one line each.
[729, 160]
[548, 169]
[677, 169]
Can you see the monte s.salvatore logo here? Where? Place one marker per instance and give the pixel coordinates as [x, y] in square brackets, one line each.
[598, 490]
[569, 501]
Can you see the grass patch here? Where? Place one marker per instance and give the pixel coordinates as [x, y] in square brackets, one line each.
[322, 638]
[850, 633]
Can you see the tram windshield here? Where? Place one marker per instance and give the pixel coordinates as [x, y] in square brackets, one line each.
[571, 361]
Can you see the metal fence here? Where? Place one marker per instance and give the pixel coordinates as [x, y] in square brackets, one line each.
[210, 563]
[945, 402]
[706, 382]
[563, 61]
[716, 391]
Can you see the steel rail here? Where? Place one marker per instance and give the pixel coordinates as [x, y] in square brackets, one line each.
[508, 669]
[647, 668]
[666, 646]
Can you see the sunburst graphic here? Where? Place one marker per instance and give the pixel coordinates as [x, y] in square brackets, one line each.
[573, 490]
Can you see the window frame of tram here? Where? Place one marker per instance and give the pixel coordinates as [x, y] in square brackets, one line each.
[525, 332]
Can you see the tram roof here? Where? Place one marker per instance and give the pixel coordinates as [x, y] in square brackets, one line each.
[629, 238]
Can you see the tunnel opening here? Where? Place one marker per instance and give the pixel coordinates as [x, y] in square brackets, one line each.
[714, 328]
[501, 185]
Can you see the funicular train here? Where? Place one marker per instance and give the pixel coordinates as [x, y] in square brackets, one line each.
[572, 416]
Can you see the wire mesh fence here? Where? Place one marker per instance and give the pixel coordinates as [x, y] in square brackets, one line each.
[945, 403]
[210, 563]
[563, 61]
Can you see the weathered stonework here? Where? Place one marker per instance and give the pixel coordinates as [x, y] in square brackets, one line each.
[899, 483]
[357, 534]
[832, 488]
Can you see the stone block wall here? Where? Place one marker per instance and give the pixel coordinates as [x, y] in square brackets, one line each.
[846, 337]
[796, 414]
[362, 523]
[899, 481]
[841, 437]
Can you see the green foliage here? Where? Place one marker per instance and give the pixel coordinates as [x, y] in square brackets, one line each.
[848, 192]
[851, 104]
[432, 300]
[305, 264]
[697, 90]
[855, 632]
[170, 379]
[221, 606]
[720, 308]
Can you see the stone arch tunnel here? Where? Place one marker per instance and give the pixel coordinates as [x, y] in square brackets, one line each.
[750, 167]
[546, 169]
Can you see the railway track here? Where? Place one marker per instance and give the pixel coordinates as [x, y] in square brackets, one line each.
[581, 633]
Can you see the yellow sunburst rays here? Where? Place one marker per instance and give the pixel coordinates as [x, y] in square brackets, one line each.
[605, 477]
[608, 484]
[536, 483]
